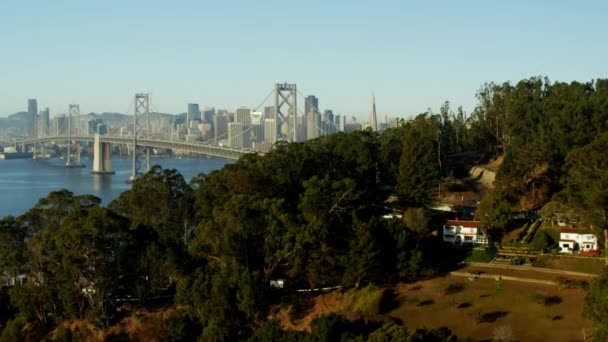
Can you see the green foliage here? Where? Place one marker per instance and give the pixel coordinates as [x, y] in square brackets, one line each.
[269, 331]
[182, 327]
[328, 328]
[12, 331]
[482, 255]
[63, 334]
[389, 332]
[419, 166]
[545, 240]
[596, 305]
[494, 212]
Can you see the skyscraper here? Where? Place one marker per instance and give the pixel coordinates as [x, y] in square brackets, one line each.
[220, 127]
[32, 111]
[194, 113]
[45, 121]
[239, 136]
[373, 122]
[311, 104]
[269, 112]
[312, 125]
[270, 131]
[243, 115]
[208, 115]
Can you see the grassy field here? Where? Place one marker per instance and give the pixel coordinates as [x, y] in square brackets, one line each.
[471, 309]
[585, 265]
[533, 312]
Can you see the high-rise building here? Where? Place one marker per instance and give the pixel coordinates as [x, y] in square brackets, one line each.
[311, 104]
[194, 113]
[338, 123]
[220, 127]
[239, 135]
[313, 122]
[243, 115]
[60, 125]
[45, 121]
[208, 115]
[257, 127]
[328, 122]
[269, 112]
[32, 111]
[373, 121]
[270, 131]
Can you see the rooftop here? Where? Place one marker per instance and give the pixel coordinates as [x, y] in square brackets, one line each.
[468, 224]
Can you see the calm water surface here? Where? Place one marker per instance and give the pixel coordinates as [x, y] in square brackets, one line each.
[24, 181]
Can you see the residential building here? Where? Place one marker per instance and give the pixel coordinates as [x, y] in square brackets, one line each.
[463, 233]
[573, 240]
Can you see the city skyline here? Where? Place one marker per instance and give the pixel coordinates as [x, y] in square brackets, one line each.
[413, 57]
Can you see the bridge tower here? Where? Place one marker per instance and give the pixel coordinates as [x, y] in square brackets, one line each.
[74, 111]
[285, 108]
[141, 118]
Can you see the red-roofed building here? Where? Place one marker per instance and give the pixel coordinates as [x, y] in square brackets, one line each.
[572, 240]
[464, 233]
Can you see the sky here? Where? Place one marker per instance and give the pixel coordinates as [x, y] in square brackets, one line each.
[412, 55]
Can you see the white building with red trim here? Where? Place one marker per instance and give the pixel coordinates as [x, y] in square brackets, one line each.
[572, 240]
[464, 233]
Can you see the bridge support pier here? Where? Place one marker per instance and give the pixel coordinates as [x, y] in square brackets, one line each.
[102, 157]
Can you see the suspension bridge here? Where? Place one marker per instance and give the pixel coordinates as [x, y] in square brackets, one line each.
[282, 125]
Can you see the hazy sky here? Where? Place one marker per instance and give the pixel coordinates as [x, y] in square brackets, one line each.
[413, 55]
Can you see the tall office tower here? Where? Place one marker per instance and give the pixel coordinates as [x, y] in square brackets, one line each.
[194, 113]
[337, 122]
[60, 125]
[257, 129]
[373, 122]
[313, 122]
[301, 128]
[239, 136]
[243, 115]
[32, 111]
[269, 112]
[328, 121]
[311, 103]
[208, 115]
[270, 131]
[45, 121]
[220, 127]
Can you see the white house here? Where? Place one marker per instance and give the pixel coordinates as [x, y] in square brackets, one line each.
[464, 233]
[573, 240]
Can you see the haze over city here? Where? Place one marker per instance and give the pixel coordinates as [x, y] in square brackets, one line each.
[225, 55]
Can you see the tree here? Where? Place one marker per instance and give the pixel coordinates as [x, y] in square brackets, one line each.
[418, 220]
[596, 305]
[587, 182]
[494, 212]
[419, 166]
[361, 259]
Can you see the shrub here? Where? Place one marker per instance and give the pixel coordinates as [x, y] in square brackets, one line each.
[567, 283]
[12, 331]
[453, 288]
[181, 326]
[63, 334]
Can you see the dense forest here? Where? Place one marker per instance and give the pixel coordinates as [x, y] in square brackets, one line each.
[309, 213]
